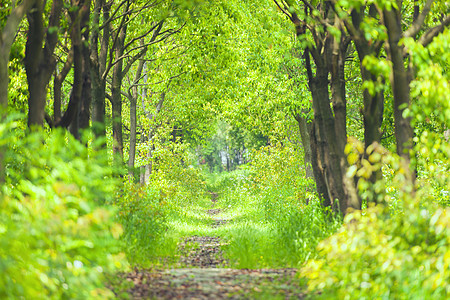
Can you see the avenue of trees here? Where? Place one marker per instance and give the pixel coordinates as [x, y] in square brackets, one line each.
[115, 65]
[361, 87]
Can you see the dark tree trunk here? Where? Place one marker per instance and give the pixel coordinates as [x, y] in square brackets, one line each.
[77, 88]
[116, 86]
[98, 65]
[86, 97]
[329, 136]
[317, 167]
[39, 60]
[33, 59]
[400, 84]
[81, 90]
[327, 141]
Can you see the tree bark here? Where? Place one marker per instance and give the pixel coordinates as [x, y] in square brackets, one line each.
[133, 118]
[7, 36]
[316, 165]
[86, 97]
[116, 87]
[400, 84]
[98, 64]
[305, 129]
[330, 135]
[39, 60]
[71, 115]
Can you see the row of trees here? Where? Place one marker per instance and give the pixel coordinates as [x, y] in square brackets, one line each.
[376, 32]
[85, 60]
[346, 71]
[177, 65]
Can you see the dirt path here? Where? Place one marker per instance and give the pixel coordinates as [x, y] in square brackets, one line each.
[202, 273]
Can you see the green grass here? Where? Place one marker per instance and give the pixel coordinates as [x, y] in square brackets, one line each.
[265, 226]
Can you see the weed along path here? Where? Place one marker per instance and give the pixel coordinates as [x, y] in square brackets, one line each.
[202, 271]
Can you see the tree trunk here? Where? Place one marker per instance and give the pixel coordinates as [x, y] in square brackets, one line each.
[316, 166]
[142, 168]
[326, 137]
[330, 134]
[116, 86]
[133, 117]
[98, 65]
[33, 60]
[305, 129]
[86, 97]
[373, 103]
[39, 60]
[400, 84]
[116, 94]
[77, 87]
[149, 165]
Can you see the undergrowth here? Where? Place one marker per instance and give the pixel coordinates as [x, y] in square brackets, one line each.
[57, 234]
[276, 220]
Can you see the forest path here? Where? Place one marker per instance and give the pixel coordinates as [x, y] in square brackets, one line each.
[203, 273]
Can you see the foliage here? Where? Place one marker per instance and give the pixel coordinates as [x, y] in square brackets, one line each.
[57, 237]
[394, 250]
[143, 213]
[280, 228]
[377, 255]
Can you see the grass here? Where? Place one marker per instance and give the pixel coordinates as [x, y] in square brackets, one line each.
[265, 227]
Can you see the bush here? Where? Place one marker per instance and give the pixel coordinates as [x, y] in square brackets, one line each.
[398, 249]
[143, 212]
[376, 255]
[57, 237]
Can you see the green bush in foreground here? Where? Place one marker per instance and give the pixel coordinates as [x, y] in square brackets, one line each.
[57, 238]
[376, 256]
[396, 250]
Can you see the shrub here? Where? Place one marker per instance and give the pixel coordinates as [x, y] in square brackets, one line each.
[57, 237]
[398, 249]
[376, 255]
[143, 212]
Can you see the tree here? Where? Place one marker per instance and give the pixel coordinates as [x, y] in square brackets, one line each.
[39, 60]
[7, 36]
[327, 46]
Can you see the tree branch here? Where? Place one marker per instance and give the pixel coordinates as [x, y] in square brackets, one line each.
[418, 23]
[428, 36]
[8, 33]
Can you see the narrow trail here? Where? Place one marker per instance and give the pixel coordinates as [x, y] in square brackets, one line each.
[203, 273]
